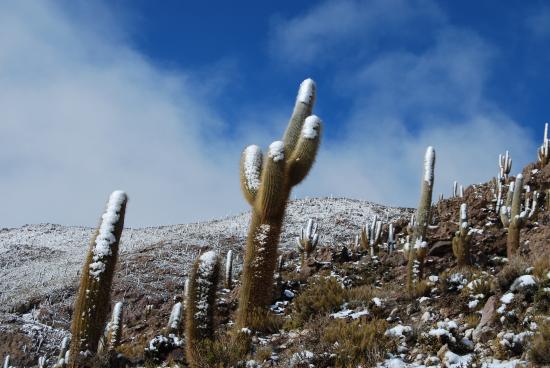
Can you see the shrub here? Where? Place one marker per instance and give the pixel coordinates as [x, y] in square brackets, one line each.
[540, 346]
[359, 342]
[515, 268]
[322, 296]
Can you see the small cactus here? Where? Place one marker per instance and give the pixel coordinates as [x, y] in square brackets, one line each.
[266, 183]
[229, 270]
[201, 304]
[391, 239]
[418, 251]
[370, 236]
[505, 165]
[307, 241]
[42, 362]
[544, 149]
[174, 322]
[62, 358]
[7, 361]
[462, 238]
[92, 303]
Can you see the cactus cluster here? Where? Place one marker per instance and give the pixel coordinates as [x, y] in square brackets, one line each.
[504, 165]
[266, 182]
[370, 236]
[307, 241]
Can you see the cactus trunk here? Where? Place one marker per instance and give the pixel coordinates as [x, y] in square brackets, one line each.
[92, 304]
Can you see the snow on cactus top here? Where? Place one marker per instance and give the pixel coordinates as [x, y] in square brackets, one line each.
[306, 91]
[252, 166]
[276, 151]
[106, 237]
[311, 127]
[429, 162]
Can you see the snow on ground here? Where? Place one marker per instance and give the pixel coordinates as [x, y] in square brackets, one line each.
[37, 260]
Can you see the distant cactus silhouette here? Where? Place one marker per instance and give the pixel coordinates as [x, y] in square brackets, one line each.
[201, 304]
[266, 183]
[505, 165]
[462, 238]
[418, 247]
[92, 303]
[544, 149]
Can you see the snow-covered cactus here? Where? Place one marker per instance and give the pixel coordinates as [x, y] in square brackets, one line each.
[63, 354]
[512, 217]
[201, 304]
[544, 149]
[229, 270]
[505, 165]
[498, 203]
[114, 334]
[174, 322]
[418, 251]
[7, 361]
[391, 238]
[266, 183]
[462, 238]
[42, 362]
[307, 241]
[92, 304]
[370, 236]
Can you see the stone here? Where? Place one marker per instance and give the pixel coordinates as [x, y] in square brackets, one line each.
[487, 316]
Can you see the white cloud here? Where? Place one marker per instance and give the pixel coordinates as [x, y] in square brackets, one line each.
[82, 114]
[361, 25]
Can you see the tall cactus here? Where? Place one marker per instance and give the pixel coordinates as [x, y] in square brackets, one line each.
[513, 217]
[307, 241]
[544, 149]
[92, 304]
[266, 183]
[201, 304]
[462, 238]
[418, 247]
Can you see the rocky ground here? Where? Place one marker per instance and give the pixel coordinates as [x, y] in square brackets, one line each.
[343, 308]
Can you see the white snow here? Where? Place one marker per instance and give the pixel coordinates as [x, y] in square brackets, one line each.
[307, 91]
[311, 127]
[252, 162]
[523, 282]
[277, 151]
[399, 331]
[507, 298]
[429, 161]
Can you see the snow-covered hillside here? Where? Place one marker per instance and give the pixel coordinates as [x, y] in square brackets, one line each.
[38, 260]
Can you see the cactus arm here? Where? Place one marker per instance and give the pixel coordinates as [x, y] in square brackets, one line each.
[305, 151]
[269, 203]
[251, 169]
[302, 109]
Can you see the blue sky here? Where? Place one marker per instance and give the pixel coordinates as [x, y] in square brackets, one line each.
[160, 98]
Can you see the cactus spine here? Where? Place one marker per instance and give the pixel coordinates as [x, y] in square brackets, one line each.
[92, 303]
[461, 240]
[201, 304]
[229, 270]
[266, 184]
[307, 241]
[418, 248]
[544, 150]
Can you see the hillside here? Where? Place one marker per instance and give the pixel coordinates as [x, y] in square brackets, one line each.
[343, 308]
